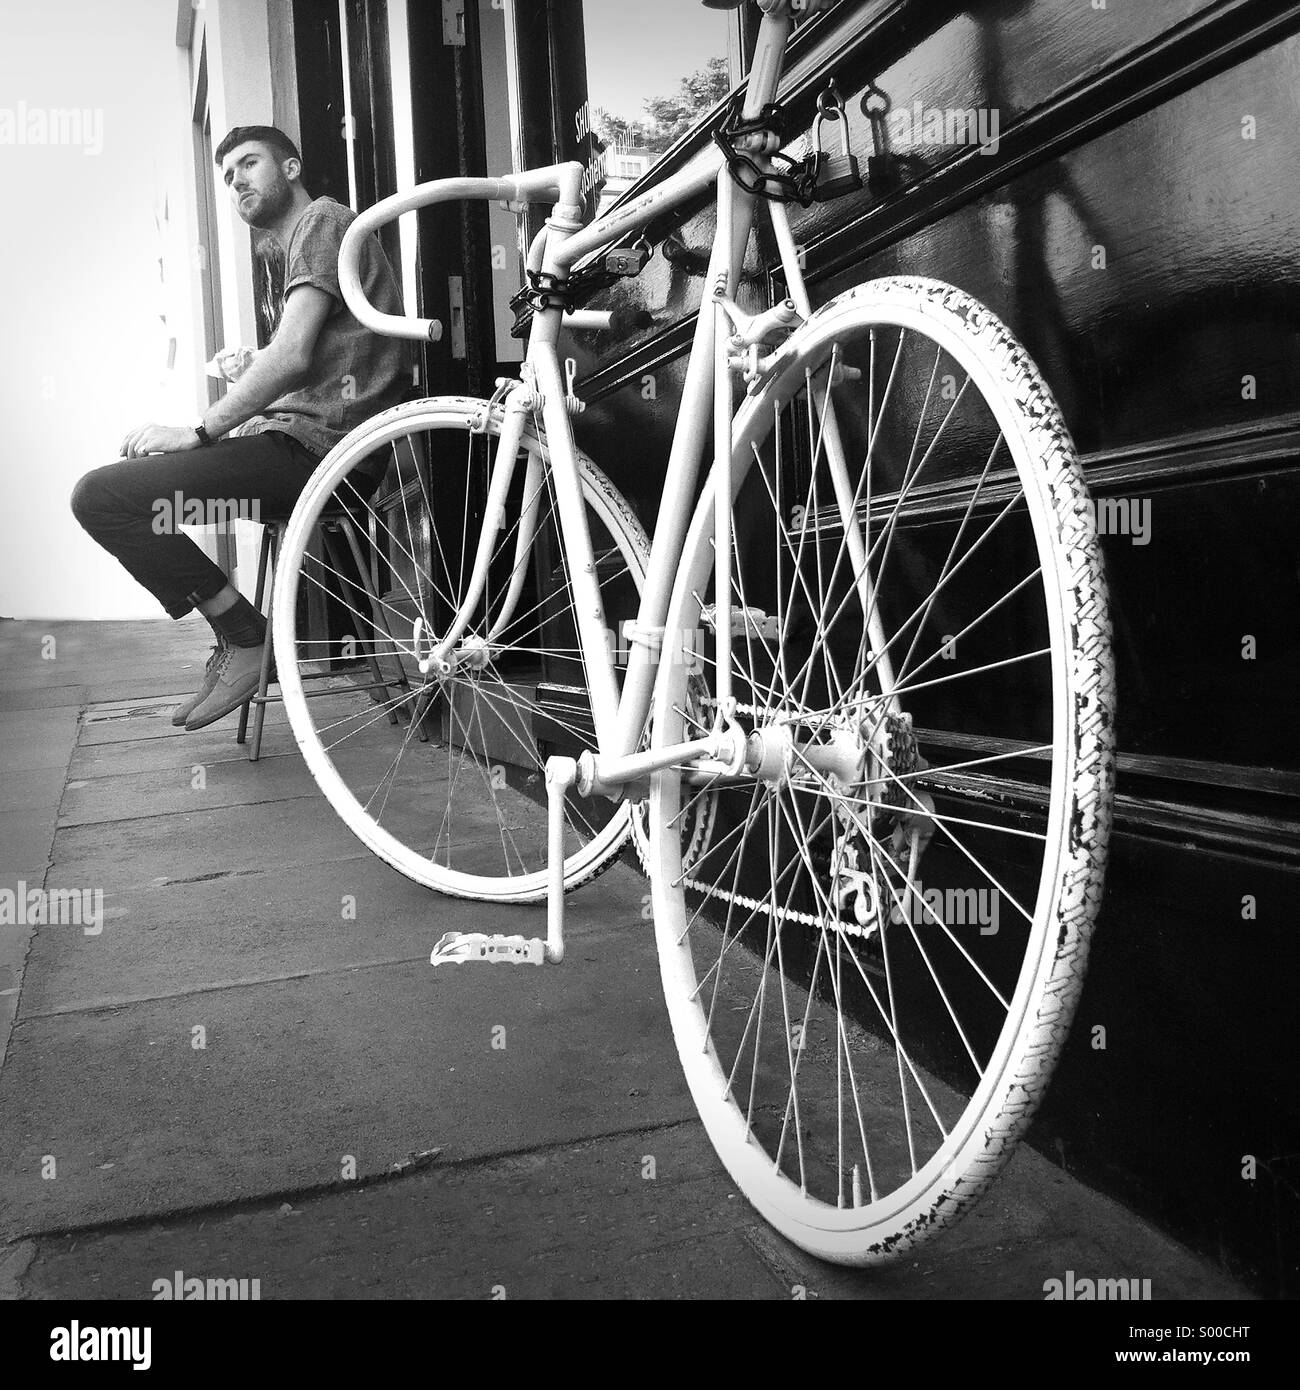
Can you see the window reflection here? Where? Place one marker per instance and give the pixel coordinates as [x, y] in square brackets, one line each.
[653, 71]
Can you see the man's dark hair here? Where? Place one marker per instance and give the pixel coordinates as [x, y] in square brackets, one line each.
[275, 139]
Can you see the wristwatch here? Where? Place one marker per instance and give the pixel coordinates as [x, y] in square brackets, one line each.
[202, 431]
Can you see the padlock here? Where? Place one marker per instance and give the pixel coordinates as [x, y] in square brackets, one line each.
[882, 172]
[628, 260]
[834, 175]
[882, 166]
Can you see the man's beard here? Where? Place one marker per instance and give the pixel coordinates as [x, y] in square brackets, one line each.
[271, 205]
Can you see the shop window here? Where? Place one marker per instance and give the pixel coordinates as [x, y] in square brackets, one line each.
[612, 85]
[652, 73]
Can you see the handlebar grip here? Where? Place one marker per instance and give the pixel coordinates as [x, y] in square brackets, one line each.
[621, 322]
[624, 322]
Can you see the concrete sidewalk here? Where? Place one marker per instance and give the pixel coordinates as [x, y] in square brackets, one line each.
[234, 1080]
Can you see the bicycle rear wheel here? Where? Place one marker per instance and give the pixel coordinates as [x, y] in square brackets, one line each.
[871, 965]
[444, 776]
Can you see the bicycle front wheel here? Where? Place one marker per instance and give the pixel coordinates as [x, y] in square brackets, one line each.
[443, 774]
[871, 961]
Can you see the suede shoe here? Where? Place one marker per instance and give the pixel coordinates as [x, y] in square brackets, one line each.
[182, 712]
[238, 671]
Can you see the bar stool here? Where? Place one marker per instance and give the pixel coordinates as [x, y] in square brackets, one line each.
[333, 527]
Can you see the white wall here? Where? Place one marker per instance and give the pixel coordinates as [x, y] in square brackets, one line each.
[82, 347]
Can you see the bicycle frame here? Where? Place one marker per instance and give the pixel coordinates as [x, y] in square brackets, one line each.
[782, 847]
[707, 400]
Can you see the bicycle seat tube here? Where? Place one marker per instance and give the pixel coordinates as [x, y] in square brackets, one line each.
[564, 221]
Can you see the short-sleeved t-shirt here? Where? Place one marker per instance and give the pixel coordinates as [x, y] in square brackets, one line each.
[354, 373]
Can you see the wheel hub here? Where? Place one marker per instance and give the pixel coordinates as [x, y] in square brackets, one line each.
[440, 663]
[769, 753]
[866, 885]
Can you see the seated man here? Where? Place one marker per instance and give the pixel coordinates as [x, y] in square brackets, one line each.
[322, 374]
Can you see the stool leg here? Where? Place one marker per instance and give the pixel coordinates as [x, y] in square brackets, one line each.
[377, 609]
[336, 556]
[264, 679]
[258, 594]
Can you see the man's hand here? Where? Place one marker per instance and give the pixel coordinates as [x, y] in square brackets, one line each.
[232, 363]
[158, 439]
[283, 365]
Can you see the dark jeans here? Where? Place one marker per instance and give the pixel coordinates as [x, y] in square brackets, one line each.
[130, 507]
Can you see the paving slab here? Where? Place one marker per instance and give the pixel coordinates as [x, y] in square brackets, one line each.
[98, 661]
[25, 835]
[198, 776]
[57, 677]
[275, 924]
[41, 697]
[30, 753]
[648, 1214]
[180, 789]
[204, 843]
[108, 749]
[170, 688]
[579, 1220]
[155, 754]
[25, 724]
[210, 841]
[142, 1114]
[33, 790]
[88, 646]
[151, 720]
[35, 748]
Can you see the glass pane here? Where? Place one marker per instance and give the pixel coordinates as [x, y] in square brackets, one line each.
[653, 71]
[501, 157]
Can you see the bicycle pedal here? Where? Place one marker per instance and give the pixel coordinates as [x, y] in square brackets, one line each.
[456, 947]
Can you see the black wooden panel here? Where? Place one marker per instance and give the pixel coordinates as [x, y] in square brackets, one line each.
[372, 112]
[1147, 272]
[1217, 569]
[454, 239]
[437, 156]
[1196, 1069]
[318, 49]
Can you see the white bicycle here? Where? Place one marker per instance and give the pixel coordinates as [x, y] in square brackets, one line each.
[853, 707]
